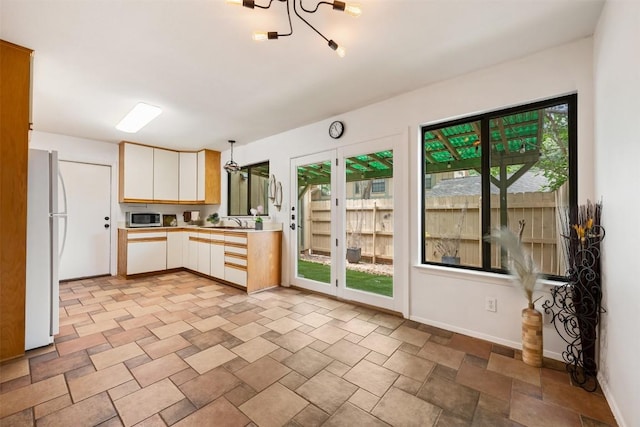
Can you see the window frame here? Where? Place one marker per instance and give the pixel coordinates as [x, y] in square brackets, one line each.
[381, 182]
[571, 101]
[247, 169]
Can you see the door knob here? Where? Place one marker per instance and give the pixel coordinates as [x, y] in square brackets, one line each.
[292, 226]
[106, 218]
[106, 226]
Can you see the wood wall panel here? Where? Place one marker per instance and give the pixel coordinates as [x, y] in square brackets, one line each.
[15, 86]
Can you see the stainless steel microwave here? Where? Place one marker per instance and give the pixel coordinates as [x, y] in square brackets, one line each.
[144, 219]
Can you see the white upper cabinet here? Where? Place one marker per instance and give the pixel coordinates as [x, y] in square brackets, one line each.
[188, 177]
[165, 175]
[157, 175]
[136, 178]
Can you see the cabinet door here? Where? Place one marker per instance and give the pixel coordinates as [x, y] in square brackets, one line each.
[217, 260]
[192, 262]
[204, 254]
[165, 175]
[137, 177]
[146, 252]
[209, 176]
[201, 175]
[188, 177]
[174, 249]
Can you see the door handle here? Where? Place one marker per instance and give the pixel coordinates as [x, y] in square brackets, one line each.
[292, 226]
[106, 226]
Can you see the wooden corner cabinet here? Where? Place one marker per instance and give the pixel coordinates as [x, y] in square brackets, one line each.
[15, 107]
[150, 174]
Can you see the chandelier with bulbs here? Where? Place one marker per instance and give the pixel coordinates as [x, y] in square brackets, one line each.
[351, 9]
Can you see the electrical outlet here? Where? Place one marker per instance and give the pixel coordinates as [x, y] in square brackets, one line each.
[491, 304]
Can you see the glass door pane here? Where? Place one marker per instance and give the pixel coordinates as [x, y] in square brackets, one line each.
[312, 212]
[368, 225]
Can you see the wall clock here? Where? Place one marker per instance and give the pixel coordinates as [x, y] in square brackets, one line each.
[336, 129]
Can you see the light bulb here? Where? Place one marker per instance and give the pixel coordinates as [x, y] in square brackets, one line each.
[260, 36]
[339, 49]
[246, 3]
[353, 9]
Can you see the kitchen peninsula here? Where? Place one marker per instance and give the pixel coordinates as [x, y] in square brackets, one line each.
[242, 257]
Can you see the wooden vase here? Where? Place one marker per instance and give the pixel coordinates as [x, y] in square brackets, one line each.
[532, 337]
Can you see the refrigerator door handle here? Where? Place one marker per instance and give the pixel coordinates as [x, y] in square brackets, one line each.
[62, 214]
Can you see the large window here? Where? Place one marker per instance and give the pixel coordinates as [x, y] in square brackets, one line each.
[515, 168]
[249, 188]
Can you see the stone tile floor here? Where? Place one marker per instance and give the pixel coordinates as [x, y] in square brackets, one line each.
[178, 349]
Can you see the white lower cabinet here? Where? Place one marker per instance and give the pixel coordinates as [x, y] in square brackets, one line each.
[235, 274]
[146, 252]
[192, 259]
[204, 254]
[247, 259]
[174, 249]
[235, 258]
[217, 255]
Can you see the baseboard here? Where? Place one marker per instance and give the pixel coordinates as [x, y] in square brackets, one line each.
[604, 385]
[497, 340]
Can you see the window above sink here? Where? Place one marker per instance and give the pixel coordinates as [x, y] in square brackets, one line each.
[248, 188]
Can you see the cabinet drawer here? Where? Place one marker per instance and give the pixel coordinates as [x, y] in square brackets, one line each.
[238, 250]
[137, 235]
[230, 259]
[235, 275]
[240, 238]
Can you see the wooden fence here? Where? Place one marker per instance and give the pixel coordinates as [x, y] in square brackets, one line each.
[369, 226]
[443, 214]
[374, 220]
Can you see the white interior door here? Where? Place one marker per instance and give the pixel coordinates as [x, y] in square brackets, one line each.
[85, 239]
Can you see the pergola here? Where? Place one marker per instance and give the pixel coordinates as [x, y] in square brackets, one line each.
[358, 168]
[514, 140]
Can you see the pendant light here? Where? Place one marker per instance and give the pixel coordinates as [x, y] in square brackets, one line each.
[231, 166]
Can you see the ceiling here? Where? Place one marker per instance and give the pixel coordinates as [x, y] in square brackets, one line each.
[94, 59]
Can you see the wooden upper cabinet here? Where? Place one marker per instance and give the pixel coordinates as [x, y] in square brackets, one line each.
[165, 175]
[15, 102]
[136, 173]
[209, 177]
[157, 175]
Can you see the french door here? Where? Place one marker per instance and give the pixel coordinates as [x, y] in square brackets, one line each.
[343, 204]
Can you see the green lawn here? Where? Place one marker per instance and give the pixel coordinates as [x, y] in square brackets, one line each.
[378, 284]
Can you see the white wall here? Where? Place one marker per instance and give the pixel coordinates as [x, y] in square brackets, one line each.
[105, 153]
[617, 150]
[86, 151]
[451, 299]
[441, 296]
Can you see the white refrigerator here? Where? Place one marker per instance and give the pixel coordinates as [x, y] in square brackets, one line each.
[43, 217]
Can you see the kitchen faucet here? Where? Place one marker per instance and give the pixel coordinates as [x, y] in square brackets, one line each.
[241, 224]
